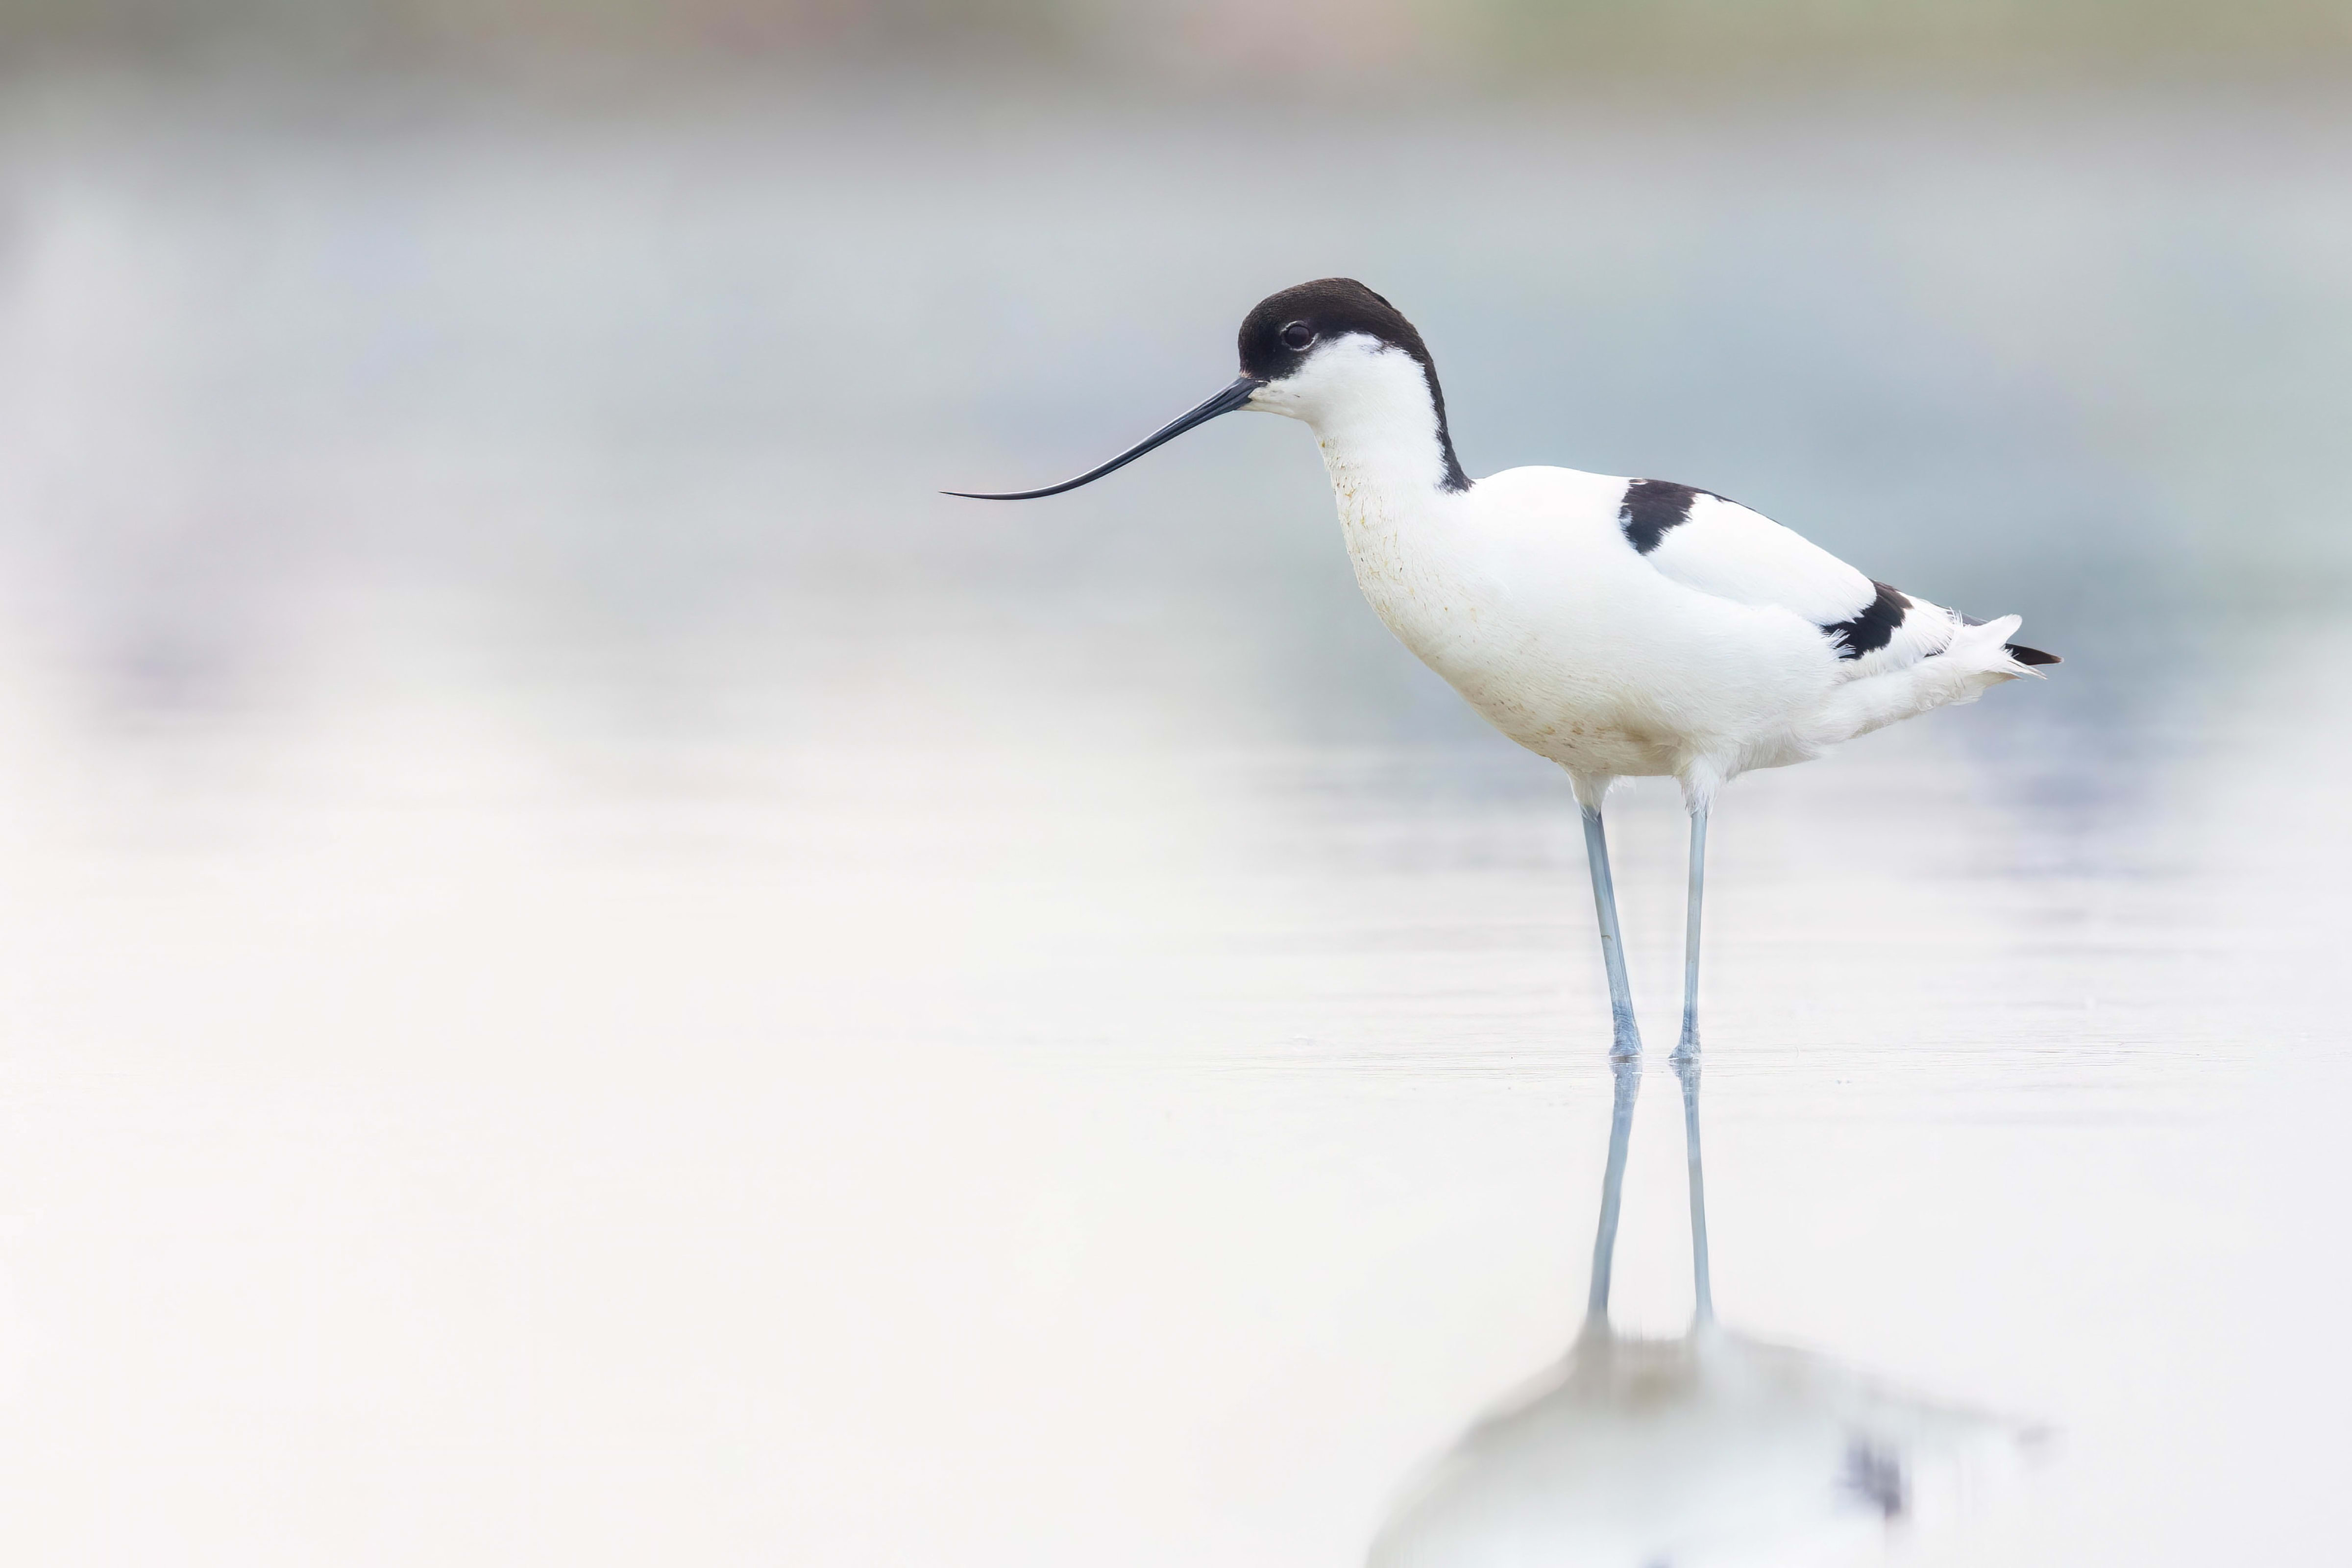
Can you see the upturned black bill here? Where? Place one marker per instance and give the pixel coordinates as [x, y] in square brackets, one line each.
[1225, 402]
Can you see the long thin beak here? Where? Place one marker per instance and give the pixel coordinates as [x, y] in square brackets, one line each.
[1225, 402]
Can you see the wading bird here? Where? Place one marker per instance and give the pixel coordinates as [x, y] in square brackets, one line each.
[1619, 628]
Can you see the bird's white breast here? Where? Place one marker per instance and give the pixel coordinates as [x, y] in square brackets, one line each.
[1524, 595]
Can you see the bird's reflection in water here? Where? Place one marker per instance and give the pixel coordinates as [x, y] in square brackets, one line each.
[1706, 1451]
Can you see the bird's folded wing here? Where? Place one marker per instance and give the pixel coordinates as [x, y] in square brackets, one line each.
[1722, 548]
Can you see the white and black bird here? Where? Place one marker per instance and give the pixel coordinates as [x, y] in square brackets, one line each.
[1620, 627]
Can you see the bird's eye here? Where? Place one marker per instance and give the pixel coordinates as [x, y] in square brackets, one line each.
[1296, 336]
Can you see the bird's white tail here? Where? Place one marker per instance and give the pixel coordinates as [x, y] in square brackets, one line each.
[1979, 657]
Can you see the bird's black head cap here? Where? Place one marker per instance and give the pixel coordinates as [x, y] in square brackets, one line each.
[1277, 336]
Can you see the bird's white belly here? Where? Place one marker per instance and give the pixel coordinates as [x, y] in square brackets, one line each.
[1547, 689]
[1577, 649]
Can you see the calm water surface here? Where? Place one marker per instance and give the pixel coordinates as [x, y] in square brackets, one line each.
[591, 975]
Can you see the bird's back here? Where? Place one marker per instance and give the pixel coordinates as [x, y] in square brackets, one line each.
[1634, 627]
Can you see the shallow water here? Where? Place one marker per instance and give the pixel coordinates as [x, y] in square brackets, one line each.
[591, 974]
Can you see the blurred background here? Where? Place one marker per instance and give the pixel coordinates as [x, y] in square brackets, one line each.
[590, 971]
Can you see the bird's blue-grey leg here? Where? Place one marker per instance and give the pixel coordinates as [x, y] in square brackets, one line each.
[1627, 1035]
[1628, 1073]
[1702, 1281]
[1689, 1045]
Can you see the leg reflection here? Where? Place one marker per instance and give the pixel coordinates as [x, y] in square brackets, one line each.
[1702, 1282]
[1710, 1447]
[1628, 1073]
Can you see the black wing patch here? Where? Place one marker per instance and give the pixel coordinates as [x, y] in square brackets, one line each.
[2018, 651]
[1651, 507]
[1873, 627]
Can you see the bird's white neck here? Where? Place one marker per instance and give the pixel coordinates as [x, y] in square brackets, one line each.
[1377, 417]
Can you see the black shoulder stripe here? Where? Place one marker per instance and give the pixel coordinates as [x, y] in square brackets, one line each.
[1873, 627]
[1651, 507]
